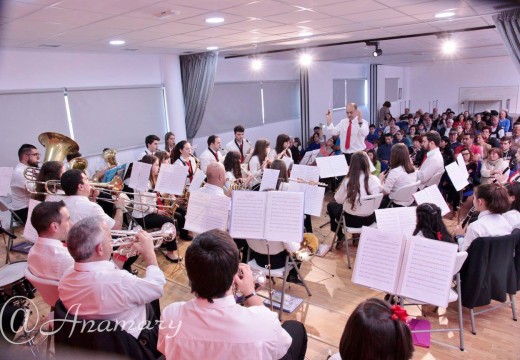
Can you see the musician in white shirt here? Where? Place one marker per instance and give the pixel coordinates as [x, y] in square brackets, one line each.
[350, 140]
[49, 257]
[77, 188]
[234, 172]
[152, 143]
[28, 155]
[182, 157]
[259, 160]
[213, 325]
[491, 201]
[94, 289]
[513, 215]
[433, 163]
[215, 180]
[400, 173]
[240, 144]
[211, 154]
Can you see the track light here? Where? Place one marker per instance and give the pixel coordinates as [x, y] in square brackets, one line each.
[377, 51]
[256, 64]
[305, 59]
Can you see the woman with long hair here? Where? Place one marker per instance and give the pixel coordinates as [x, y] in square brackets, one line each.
[259, 160]
[234, 172]
[169, 144]
[401, 173]
[372, 156]
[50, 170]
[429, 223]
[357, 184]
[146, 211]
[182, 157]
[283, 151]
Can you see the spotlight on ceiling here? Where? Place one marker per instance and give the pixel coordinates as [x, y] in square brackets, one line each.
[256, 64]
[449, 46]
[305, 59]
[377, 51]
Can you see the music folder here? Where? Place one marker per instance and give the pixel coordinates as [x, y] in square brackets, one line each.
[332, 166]
[201, 217]
[409, 266]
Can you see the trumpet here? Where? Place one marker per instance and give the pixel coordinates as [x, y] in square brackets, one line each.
[124, 239]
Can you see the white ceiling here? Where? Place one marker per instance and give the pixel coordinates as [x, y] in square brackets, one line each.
[254, 26]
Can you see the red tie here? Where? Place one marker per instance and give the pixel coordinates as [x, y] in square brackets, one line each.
[347, 139]
[424, 159]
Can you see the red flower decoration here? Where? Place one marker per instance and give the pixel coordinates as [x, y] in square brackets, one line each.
[439, 235]
[399, 313]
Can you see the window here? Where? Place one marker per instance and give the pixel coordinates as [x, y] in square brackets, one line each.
[348, 90]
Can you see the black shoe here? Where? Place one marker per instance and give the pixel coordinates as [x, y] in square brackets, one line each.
[186, 237]
[294, 279]
[170, 259]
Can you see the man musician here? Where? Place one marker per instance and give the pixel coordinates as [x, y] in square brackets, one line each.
[211, 154]
[28, 155]
[239, 143]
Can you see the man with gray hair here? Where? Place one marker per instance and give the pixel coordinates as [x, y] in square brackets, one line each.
[94, 288]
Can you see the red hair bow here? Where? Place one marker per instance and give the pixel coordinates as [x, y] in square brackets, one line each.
[439, 235]
[399, 313]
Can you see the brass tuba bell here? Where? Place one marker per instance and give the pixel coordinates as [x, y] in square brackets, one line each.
[57, 146]
[79, 163]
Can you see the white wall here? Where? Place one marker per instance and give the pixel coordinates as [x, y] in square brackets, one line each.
[26, 70]
[239, 69]
[442, 80]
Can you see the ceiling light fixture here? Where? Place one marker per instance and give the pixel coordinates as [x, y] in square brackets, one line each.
[212, 48]
[449, 47]
[117, 42]
[305, 59]
[256, 64]
[305, 33]
[377, 51]
[215, 20]
[444, 14]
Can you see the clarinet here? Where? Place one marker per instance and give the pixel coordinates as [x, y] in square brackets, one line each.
[503, 172]
[468, 216]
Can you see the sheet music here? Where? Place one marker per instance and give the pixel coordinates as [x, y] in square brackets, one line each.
[305, 172]
[197, 181]
[462, 165]
[314, 195]
[457, 177]
[288, 162]
[332, 166]
[309, 157]
[248, 214]
[269, 179]
[140, 176]
[171, 179]
[201, 217]
[428, 270]
[6, 174]
[399, 220]
[29, 232]
[378, 259]
[370, 164]
[432, 195]
[284, 216]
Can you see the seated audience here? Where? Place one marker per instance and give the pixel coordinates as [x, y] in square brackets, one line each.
[384, 150]
[372, 155]
[494, 167]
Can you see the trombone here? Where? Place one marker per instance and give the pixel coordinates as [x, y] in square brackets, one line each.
[122, 240]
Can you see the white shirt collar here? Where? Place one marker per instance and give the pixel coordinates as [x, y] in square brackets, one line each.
[49, 242]
[226, 301]
[94, 266]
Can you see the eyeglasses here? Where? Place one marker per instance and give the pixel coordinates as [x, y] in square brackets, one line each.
[35, 154]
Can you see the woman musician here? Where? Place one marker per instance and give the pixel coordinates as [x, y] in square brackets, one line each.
[259, 161]
[234, 172]
[283, 152]
[182, 156]
[169, 145]
[146, 212]
[401, 172]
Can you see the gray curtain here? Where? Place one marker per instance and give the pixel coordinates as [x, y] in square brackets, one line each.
[198, 77]
[508, 26]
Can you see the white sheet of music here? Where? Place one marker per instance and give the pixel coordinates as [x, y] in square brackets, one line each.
[427, 270]
[309, 157]
[140, 176]
[200, 217]
[378, 259]
[197, 181]
[6, 174]
[314, 195]
[29, 232]
[284, 216]
[457, 177]
[370, 164]
[171, 179]
[332, 166]
[305, 172]
[399, 220]
[432, 195]
[288, 162]
[462, 165]
[247, 214]
[269, 179]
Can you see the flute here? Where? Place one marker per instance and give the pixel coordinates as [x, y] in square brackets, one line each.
[309, 182]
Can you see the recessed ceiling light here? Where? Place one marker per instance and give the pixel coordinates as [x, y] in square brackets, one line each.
[215, 20]
[211, 48]
[117, 42]
[445, 14]
[305, 60]
[449, 47]
[305, 33]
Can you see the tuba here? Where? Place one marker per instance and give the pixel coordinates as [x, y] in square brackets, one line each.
[110, 157]
[57, 146]
[79, 163]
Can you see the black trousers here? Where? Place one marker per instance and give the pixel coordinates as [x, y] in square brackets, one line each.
[155, 221]
[22, 214]
[298, 334]
[347, 156]
[336, 210]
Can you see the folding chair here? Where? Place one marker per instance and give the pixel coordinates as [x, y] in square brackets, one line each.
[14, 221]
[404, 194]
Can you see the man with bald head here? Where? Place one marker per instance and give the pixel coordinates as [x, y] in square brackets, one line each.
[216, 178]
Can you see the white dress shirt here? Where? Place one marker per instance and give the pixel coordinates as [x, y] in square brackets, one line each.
[143, 153]
[374, 187]
[207, 158]
[99, 290]
[198, 329]
[232, 146]
[20, 195]
[513, 218]
[396, 179]
[255, 168]
[433, 164]
[357, 135]
[81, 207]
[48, 259]
[212, 190]
[183, 162]
[488, 224]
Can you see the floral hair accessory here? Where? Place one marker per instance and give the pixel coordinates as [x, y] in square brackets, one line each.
[399, 313]
[439, 235]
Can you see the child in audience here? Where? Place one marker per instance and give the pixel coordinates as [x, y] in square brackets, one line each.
[376, 330]
[430, 224]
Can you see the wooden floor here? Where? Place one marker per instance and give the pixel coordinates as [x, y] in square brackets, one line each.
[334, 297]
